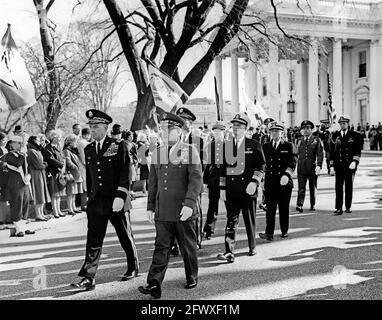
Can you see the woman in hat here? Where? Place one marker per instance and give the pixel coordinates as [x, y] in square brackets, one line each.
[72, 163]
[39, 185]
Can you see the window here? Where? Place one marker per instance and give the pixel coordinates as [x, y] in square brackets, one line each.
[292, 76]
[279, 85]
[264, 80]
[362, 64]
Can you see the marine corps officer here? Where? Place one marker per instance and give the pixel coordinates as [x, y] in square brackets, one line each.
[278, 184]
[244, 165]
[345, 153]
[175, 183]
[310, 157]
[107, 179]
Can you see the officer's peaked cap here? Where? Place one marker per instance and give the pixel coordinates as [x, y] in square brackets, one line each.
[268, 120]
[241, 118]
[278, 125]
[219, 125]
[344, 118]
[185, 114]
[172, 119]
[97, 116]
[307, 123]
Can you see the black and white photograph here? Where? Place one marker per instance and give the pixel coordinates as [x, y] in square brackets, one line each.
[190, 156]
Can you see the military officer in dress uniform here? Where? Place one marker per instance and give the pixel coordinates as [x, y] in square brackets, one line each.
[107, 179]
[244, 165]
[345, 153]
[175, 183]
[267, 136]
[278, 183]
[191, 138]
[211, 176]
[310, 157]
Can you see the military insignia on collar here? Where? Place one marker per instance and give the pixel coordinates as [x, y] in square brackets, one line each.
[90, 114]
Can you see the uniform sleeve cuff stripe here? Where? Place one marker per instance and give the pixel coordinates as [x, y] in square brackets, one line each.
[123, 190]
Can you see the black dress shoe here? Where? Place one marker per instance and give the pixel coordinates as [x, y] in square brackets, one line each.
[312, 208]
[152, 289]
[14, 234]
[190, 285]
[229, 257]
[337, 212]
[174, 251]
[129, 275]
[265, 236]
[348, 211]
[86, 283]
[252, 252]
[207, 236]
[29, 232]
[285, 235]
[72, 213]
[299, 209]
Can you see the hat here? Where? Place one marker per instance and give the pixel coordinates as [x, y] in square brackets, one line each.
[267, 120]
[241, 118]
[307, 123]
[344, 118]
[172, 119]
[96, 116]
[116, 129]
[218, 125]
[17, 129]
[14, 138]
[185, 114]
[278, 125]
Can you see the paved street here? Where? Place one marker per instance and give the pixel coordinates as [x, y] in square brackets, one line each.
[325, 257]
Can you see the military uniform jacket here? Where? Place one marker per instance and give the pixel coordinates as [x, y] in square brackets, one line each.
[175, 181]
[243, 164]
[279, 162]
[214, 168]
[344, 150]
[265, 138]
[107, 173]
[198, 143]
[310, 154]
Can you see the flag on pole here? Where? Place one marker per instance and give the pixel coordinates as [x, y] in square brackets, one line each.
[217, 101]
[168, 95]
[15, 82]
[255, 112]
[331, 108]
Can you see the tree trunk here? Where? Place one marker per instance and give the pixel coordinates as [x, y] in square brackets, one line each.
[142, 114]
[54, 106]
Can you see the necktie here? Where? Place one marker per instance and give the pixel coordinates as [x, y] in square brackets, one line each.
[306, 140]
[274, 145]
[98, 147]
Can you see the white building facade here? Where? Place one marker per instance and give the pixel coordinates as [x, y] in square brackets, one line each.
[345, 40]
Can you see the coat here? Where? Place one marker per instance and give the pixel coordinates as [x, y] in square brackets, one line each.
[279, 162]
[107, 173]
[345, 150]
[309, 155]
[39, 185]
[214, 168]
[55, 159]
[82, 143]
[73, 164]
[175, 181]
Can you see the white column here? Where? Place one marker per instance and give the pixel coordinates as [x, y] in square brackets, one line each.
[373, 83]
[313, 107]
[301, 93]
[347, 79]
[324, 88]
[219, 79]
[252, 75]
[234, 83]
[337, 76]
[274, 107]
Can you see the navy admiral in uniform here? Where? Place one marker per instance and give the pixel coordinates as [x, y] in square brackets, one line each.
[278, 184]
[191, 138]
[175, 183]
[244, 165]
[310, 157]
[211, 176]
[345, 153]
[107, 178]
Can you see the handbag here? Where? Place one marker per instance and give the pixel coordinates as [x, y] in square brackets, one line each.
[63, 178]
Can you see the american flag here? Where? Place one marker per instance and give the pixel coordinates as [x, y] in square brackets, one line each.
[332, 110]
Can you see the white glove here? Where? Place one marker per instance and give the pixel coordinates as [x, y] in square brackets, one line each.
[251, 188]
[150, 216]
[284, 180]
[222, 195]
[352, 165]
[205, 187]
[118, 204]
[317, 171]
[331, 171]
[185, 213]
